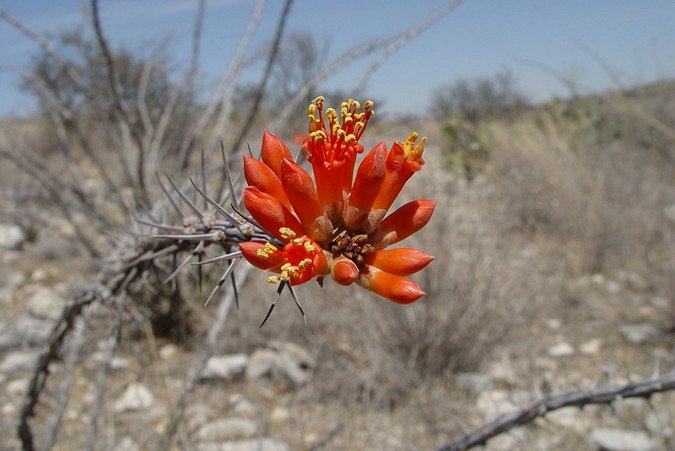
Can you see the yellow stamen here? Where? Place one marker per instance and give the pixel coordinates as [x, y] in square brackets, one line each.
[304, 264]
[354, 120]
[412, 151]
[286, 233]
[267, 250]
[309, 247]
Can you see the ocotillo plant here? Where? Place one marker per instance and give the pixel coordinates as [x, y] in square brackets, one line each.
[305, 228]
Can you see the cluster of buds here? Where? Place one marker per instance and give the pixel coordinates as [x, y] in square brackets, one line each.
[336, 223]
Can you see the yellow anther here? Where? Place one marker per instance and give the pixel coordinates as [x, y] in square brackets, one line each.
[350, 138]
[304, 264]
[319, 101]
[279, 278]
[286, 233]
[311, 109]
[412, 151]
[297, 241]
[309, 247]
[267, 250]
[318, 135]
[368, 104]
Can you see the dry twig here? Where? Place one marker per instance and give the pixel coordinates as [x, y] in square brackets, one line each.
[601, 395]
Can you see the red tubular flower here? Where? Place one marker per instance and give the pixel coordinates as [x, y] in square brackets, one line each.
[299, 188]
[300, 260]
[369, 178]
[332, 149]
[270, 213]
[261, 176]
[403, 161]
[329, 225]
[272, 151]
[398, 289]
[402, 262]
[402, 223]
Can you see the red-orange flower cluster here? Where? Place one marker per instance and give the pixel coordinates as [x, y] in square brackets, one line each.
[335, 223]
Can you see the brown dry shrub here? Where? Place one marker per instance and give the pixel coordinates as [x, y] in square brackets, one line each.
[604, 197]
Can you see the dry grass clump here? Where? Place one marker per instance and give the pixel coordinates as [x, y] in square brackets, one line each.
[602, 195]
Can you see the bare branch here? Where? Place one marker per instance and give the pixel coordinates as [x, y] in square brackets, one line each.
[271, 59]
[601, 395]
[124, 119]
[65, 323]
[142, 105]
[154, 148]
[66, 381]
[53, 185]
[224, 93]
[111, 347]
[404, 39]
[46, 46]
[355, 52]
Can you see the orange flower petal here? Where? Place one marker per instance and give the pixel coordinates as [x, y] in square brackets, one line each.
[403, 161]
[402, 262]
[299, 188]
[397, 289]
[394, 179]
[261, 176]
[402, 223]
[270, 213]
[369, 178]
[330, 186]
[273, 150]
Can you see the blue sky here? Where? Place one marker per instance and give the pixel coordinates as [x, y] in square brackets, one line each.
[480, 38]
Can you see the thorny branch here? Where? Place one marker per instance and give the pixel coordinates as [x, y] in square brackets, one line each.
[65, 323]
[404, 39]
[271, 59]
[606, 394]
[223, 95]
[124, 119]
[116, 279]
